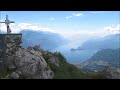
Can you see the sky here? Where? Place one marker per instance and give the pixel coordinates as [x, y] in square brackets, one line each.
[70, 24]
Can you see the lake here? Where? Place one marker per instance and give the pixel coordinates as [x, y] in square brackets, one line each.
[74, 57]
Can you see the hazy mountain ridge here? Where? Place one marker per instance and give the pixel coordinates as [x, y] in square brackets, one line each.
[47, 40]
[102, 59]
[107, 42]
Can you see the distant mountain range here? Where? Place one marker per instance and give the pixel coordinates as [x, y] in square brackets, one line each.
[107, 42]
[47, 40]
[102, 59]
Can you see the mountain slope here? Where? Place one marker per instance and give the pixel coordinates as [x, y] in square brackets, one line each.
[47, 40]
[107, 42]
[64, 70]
[102, 59]
[35, 63]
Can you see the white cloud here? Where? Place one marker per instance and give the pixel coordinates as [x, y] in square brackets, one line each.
[2, 20]
[77, 14]
[113, 29]
[79, 34]
[76, 35]
[52, 19]
[113, 25]
[16, 28]
[68, 17]
[86, 34]
[74, 15]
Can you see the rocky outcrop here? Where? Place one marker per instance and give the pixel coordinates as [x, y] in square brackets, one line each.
[21, 63]
[9, 44]
[51, 57]
[29, 64]
[14, 75]
[54, 60]
[32, 62]
[112, 73]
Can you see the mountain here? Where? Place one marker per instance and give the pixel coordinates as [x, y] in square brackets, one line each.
[47, 40]
[102, 59]
[36, 63]
[107, 42]
[111, 73]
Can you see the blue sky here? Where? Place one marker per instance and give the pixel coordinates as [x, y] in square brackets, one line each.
[67, 23]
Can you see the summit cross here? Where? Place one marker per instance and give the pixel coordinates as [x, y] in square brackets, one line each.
[7, 22]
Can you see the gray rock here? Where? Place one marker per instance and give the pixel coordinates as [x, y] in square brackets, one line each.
[54, 60]
[112, 73]
[32, 51]
[32, 65]
[14, 75]
[22, 63]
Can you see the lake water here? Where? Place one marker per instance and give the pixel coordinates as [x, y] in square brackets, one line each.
[75, 57]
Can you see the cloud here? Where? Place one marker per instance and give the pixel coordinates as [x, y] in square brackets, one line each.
[86, 34]
[2, 20]
[113, 28]
[74, 15]
[77, 14]
[16, 28]
[72, 34]
[52, 19]
[80, 35]
[67, 17]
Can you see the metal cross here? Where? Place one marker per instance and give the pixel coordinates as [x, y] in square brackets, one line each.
[7, 22]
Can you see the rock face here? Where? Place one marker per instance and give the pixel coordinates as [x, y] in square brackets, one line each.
[29, 64]
[9, 43]
[54, 60]
[112, 73]
[22, 63]
[14, 75]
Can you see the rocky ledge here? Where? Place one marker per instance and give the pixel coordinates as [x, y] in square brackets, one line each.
[28, 64]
